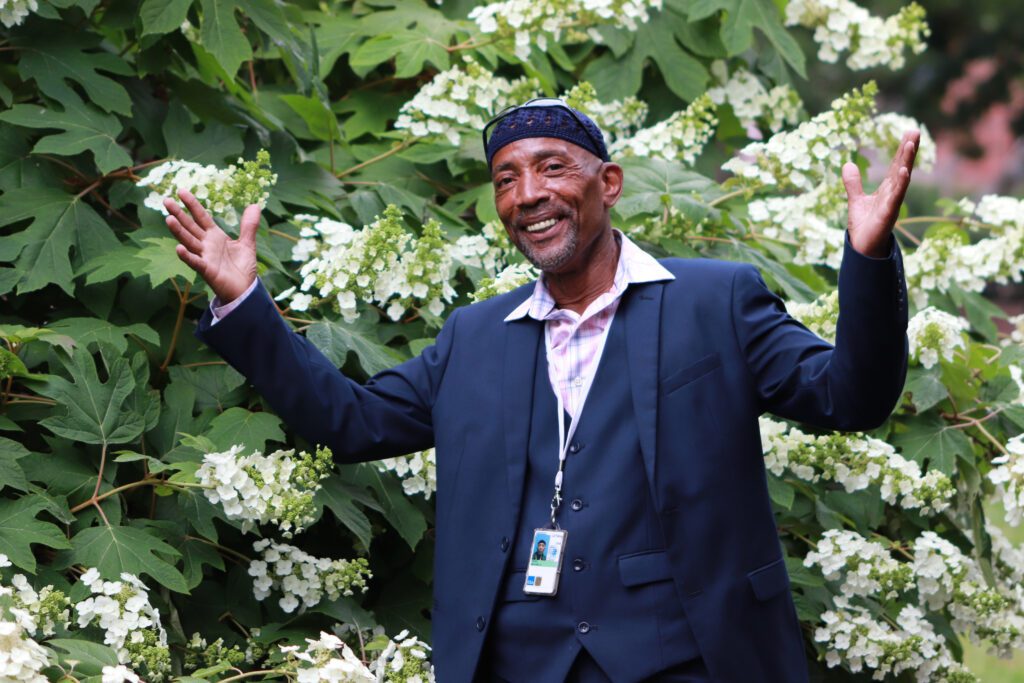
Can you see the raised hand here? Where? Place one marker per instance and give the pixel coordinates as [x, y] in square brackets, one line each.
[228, 265]
[873, 216]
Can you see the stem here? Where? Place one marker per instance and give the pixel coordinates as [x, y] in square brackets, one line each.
[99, 476]
[124, 487]
[380, 157]
[909, 235]
[250, 674]
[252, 78]
[29, 398]
[177, 325]
[207, 362]
[735, 193]
[285, 235]
[224, 549]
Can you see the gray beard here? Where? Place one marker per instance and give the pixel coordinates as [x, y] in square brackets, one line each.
[550, 261]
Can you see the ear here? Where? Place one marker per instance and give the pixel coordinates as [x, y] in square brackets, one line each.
[611, 178]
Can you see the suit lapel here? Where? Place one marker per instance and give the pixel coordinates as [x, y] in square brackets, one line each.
[520, 363]
[643, 334]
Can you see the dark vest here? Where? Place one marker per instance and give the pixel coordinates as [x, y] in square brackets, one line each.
[615, 593]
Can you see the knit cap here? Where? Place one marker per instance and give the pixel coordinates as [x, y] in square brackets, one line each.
[547, 121]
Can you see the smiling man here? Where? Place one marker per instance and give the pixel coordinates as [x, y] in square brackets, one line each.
[610, 408]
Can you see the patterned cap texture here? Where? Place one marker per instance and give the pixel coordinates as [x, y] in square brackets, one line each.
[547, 122]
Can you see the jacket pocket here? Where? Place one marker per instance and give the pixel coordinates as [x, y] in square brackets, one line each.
[650, 566]
[769, 580]
[691, 372]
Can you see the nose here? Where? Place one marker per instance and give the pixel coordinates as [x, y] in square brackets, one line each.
[531, 190]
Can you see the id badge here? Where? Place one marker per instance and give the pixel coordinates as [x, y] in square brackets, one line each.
[545, 565]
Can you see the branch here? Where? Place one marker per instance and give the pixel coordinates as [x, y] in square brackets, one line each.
[380, 157]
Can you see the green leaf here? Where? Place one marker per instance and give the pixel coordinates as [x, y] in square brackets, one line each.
[322, 123]
[215, 386]
[927, 438]
[59, 222]
[799, 575]
[162, 262]
[19, 529]
[93, 411]
[781, 493]
[84, 127]
[980, 312]
[741, 17]
[195, 555]
[410, 49]
[116, 549]
[53, 56]
[19, 334]
[407, 520]
[336, 339]
[653, 181]
[220, 34]
[200, 512]
[89, 657]
[617, 78]
[240, 426]
[213, 144]
[341, 498]
[91, 332]
[11, 474]
[163, 16]
[925, 388]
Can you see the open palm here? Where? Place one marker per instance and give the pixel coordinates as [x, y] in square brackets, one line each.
[871, 217]
[227, 265]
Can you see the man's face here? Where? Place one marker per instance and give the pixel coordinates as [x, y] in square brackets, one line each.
[553, 197]
[541, 546]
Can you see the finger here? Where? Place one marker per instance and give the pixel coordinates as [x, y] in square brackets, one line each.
[249, 223]
[183, 218]
[851, 179]
[193, 261]
[196, 209]
[184, 236]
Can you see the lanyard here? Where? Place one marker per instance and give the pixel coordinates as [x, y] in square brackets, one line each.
[564, 439]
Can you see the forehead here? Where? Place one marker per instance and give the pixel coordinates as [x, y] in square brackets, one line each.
[531, 149]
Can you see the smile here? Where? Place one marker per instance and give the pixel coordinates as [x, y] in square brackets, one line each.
[542, 225]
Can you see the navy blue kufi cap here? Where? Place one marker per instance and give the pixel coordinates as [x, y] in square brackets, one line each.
[547, 121]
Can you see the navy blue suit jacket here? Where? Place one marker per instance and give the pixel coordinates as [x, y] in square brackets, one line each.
[707, 354]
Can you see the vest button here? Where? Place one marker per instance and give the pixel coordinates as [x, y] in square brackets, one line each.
[576, 504]
[575, 447]
[480, 623]
[583, 627]
[578, 564]
[504, 544]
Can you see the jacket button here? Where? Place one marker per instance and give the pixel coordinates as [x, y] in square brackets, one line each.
[575, 447]
[576, 504]
[504, 544]
[578, 564]
[480, 623]
[583, 627]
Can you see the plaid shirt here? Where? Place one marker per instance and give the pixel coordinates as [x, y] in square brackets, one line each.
[577, 340]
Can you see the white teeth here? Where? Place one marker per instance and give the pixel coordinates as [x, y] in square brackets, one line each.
[543, 225]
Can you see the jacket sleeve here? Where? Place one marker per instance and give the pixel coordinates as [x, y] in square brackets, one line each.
[389, 415]
[852, 386]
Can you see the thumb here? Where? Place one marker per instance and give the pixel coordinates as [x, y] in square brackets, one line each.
[250, 221]
[851, 179]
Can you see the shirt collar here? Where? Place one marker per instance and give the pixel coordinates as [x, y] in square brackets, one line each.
[635, 267]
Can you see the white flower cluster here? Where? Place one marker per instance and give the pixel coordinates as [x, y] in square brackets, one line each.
[996, 211]
[405, 659]
[1008, 477]
[751, 102]
[841, 25]
[119, 674]
[418, 472]
[489, 250]
[855, 461]
[516, 275]
[819, 316]
[130, 624]
[21, 658]
[381, 264]
[852, 635]
[532, 22]
[256, 489]
[933, 334]
[806, 220]
[947, 578]
[326, 659]
[301, 577]
[616, 119]
[864, 568]
[221, 191]
[461, 100]
[681, 136]
[13, 12]
[40, 612]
